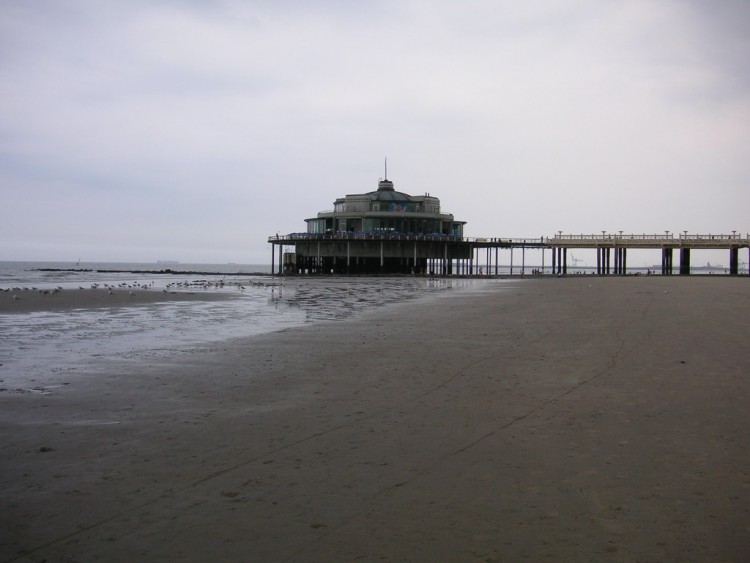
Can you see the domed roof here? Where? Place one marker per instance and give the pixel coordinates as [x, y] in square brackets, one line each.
[385, 192]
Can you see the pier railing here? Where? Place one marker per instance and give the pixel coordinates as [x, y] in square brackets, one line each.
[541, 242]
[667, 240]
[293, 237]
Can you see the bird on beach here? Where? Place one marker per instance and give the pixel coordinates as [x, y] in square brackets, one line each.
[16, 297]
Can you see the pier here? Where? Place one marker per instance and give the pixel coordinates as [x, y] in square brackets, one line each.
[386, 231]
[351, 253]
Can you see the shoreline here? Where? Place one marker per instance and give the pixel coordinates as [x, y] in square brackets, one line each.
[18, 300]
[32, 301]
[584, 419]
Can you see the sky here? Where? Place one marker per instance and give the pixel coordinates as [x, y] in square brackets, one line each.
[194, 130]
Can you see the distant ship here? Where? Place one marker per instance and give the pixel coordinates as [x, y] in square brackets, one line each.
[709, 266]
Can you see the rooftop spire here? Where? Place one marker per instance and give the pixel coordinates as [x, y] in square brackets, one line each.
[385, 184]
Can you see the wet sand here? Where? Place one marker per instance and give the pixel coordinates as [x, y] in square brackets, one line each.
[50, 300]
[579, 419]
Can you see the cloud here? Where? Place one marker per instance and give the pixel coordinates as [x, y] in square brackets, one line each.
[193, 119]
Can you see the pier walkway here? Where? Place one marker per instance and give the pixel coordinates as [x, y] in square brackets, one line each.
[618, 244]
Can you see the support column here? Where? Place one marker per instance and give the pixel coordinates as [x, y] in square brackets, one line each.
[670, 259]
[684, 261]
[624, 261]
[554, 261]
[606, 261]
[734, 261]
[382, 259]
[565, 261]
[666, 261]
[599, 261]
[617, 261]
[523, 260]
[281, 258]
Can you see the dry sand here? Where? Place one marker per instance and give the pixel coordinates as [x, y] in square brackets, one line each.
[580, 419]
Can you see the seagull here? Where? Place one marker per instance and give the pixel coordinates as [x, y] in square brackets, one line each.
[16, 297]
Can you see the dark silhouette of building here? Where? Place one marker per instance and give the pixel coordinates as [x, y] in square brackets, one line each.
[382, 231]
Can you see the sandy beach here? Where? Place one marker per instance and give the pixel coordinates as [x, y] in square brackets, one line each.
[576, 419]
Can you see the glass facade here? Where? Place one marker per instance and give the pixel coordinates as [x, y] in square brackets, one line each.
[316, 226]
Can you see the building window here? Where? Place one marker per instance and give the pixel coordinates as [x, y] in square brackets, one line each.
[317, 226]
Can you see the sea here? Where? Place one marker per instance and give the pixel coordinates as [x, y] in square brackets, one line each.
[38, 350]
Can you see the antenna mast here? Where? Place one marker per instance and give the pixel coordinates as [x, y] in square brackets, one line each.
[386, 167]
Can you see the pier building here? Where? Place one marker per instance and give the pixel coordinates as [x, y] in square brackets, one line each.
[381, 231]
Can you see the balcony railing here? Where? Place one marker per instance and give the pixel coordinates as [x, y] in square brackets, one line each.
[660, 239]
[582, 240]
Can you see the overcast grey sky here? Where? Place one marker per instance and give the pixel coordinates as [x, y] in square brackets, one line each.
[191, 130]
